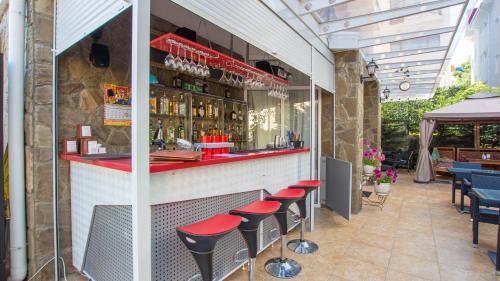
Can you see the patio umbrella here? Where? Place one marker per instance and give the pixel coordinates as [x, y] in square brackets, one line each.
[424, 164]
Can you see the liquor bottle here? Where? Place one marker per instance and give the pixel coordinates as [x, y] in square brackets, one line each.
[152, 105]
[177, 82]
[194, 110]
[240, 114]
[195, 133]
[171, 133]
[227, 93]
[175, 107]
[158, 134]
[206, 87]
[181, 131]
[230, 134]
[201, 110]
[233, 114]
[209, 109]
[202, 131]
[216, 130]
[216, 110]
[171, 107]
[182, 106]
[164, 103]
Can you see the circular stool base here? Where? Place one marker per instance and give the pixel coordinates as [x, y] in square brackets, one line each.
[283, 268]
[302, 246]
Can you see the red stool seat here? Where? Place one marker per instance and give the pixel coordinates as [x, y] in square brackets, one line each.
[259, 207]
[308, 183]
[288, 193]
[216, 225]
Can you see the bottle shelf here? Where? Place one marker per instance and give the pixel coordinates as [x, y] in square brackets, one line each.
[167, 116]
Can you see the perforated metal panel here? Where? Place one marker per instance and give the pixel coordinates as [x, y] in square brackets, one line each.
[109, 248]
[170, 258]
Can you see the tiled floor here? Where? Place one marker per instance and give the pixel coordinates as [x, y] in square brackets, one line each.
[417, 236]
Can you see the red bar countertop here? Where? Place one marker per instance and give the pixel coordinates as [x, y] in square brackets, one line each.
[126, 164]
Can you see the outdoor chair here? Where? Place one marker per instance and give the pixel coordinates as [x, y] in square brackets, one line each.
[480, 210]
[458, 179]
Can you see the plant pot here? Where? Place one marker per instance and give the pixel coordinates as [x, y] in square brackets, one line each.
[383, 188]
[368, 170]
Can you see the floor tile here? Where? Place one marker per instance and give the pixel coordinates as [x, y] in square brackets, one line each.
[414, 266]
[418, 236]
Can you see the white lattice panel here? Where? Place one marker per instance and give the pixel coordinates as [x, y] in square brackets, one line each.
[90, 186]
[270, 174]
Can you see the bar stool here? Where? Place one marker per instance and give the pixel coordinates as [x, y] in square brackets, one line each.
[302, 246]
[252, 215]
[200, 239]
[282, 267]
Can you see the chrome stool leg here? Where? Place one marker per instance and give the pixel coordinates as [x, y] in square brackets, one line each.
[282, 267]
[251, 269]
[302, 246]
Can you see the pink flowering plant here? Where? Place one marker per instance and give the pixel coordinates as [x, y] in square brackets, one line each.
[390, 176]
[371, 155]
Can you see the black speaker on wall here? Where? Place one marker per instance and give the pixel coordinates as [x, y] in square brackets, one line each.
[99, 55]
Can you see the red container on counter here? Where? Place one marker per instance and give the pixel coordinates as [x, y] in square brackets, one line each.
[225, 138]
[206, 151]
[217, 139]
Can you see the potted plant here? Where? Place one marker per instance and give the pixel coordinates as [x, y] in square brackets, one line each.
[383, 182]
[371, 158]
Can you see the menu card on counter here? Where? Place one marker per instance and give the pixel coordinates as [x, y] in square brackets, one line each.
[117, 105]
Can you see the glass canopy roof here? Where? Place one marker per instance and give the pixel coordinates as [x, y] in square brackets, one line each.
[399, 35]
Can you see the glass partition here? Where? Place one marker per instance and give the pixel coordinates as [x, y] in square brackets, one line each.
[297, 114]
[264, 119]
[269, 117]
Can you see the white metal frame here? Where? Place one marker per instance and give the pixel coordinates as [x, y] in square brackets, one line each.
[404, 53]
[141, 211]
[363, 20]
[339, 35]
[374, 41]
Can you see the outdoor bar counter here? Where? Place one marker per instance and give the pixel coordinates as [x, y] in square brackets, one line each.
[180, 193]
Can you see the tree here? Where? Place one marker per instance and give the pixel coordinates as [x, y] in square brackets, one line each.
[407, 114]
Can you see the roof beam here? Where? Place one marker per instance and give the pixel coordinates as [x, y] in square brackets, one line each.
[413, 80]
[412, 74]
[387, 66]
[367, 19]
[404, 53]
[419, 84]
[380, 40]
[317, 5]
[410, 91]
[428, 87]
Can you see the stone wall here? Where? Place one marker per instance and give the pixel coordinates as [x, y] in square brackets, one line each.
[372, 127]
[38, 141]
[349, 117]
[326, 124]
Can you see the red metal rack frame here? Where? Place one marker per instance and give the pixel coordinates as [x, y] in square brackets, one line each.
[171, 42]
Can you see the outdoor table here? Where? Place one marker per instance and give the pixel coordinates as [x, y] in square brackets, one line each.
[466, 182]
[490, 198]
[487, 162]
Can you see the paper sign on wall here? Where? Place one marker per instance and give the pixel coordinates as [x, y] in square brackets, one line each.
[117, 105]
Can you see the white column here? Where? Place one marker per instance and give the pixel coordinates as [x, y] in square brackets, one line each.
[141, 212]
